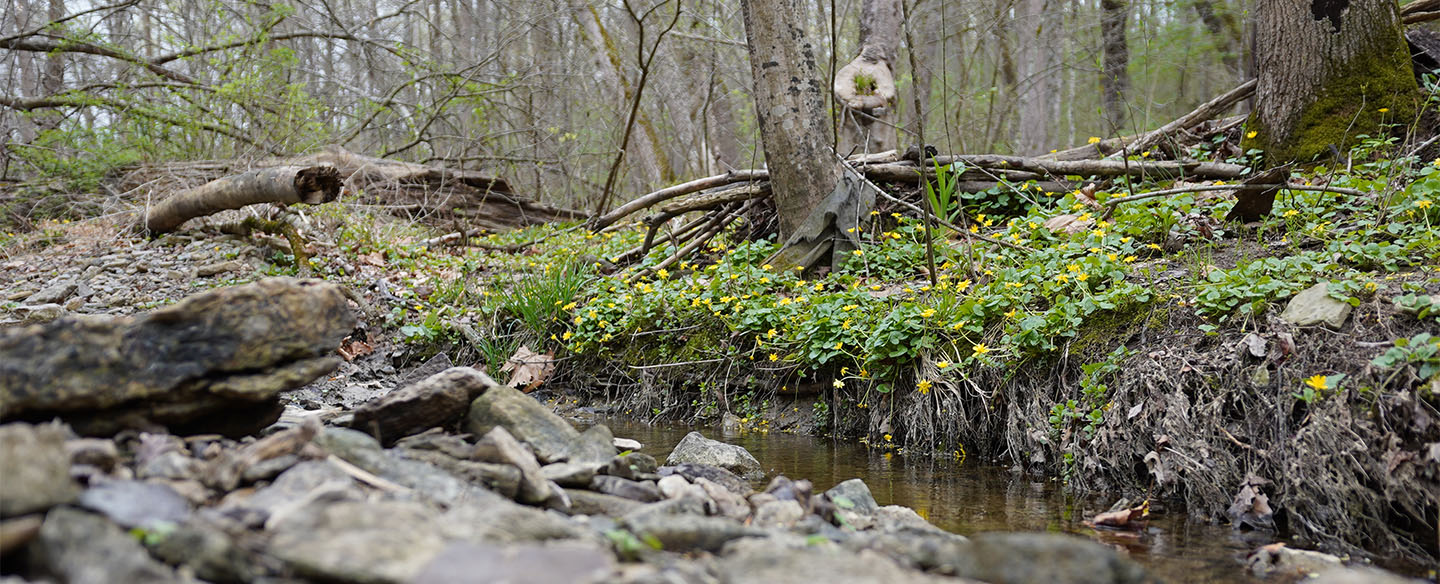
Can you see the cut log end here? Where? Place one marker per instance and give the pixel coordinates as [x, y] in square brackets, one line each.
[318, 184]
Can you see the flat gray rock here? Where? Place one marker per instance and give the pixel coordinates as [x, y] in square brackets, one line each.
[526, 419]
[136, 504]
[1314, 306]
[384, 542]
[77, 547]
[567, 562]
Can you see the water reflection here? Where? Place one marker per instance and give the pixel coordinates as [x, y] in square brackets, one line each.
[970, 498]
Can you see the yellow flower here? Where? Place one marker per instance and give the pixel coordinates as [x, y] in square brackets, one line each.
[1318, 382]
[929, 312]
[1424, 204]
[1082, 277]
[663, 273]
[839, 344]
[1062, 278]
[1383, 110]
[567, 335]
[980, 349]
[766, 267]
[1094, 140]
[924, 388]
[942, 364]
[887, 437]
[858, 252]
[1291, 213]
[774, 357]
[874, 213]
[1252, 134]
[1011, 314]
[838, 384]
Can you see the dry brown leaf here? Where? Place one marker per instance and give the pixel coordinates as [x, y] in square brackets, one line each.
[1086, 195]
[529, 369]
[352, 348]
[373, 258]
[1067, 224]
[1132, 518]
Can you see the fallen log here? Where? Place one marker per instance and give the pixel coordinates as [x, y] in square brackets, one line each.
[285, 185]
[671, 192]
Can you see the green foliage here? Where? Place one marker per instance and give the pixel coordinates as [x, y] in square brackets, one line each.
[1421, 351]
[1248, 289]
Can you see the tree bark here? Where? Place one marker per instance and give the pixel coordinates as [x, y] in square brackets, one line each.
[1328, 70]
[1115, 64]
[285, 184]
[790, 108]
[1038, 22]
[865, 87]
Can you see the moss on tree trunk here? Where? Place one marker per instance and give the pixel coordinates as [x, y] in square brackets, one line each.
[1328, 71]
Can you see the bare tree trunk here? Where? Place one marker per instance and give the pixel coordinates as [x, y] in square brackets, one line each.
[1328, 70]
[1225, 27]
[790, 107]
[1115, 65]
[1040, 74]
[865, 87]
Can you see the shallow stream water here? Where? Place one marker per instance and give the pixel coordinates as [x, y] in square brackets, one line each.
[965, 497]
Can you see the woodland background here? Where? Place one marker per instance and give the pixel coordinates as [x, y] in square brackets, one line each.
[539, 91]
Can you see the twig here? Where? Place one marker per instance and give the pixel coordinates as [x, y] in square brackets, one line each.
[945, 223]
[671, 192]
[1198, 188]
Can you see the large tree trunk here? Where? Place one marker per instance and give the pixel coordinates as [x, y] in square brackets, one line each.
[1114, 67]
[790, 106]
[1328, 70]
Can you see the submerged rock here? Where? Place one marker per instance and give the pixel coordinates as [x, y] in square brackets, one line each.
[697, 449]
[226, 351]
[1044, 557]
[36, 468]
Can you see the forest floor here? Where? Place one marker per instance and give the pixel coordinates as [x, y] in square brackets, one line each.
[1281, 374]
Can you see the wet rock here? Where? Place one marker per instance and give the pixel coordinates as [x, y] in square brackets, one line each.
[499, 446]
[893, 518]
[225, 351]
[1043, 557]
[592, 503]
[778, 514]
[697, 449]
[724, 478]
[76, 547]
[686, 532]
[525, 419]
[207, 550]
[1314, 306]
[53, 294]
[36, 468]
[778, 565]
[929, 551]
[136, 504]
[643, 491]
[595, 444]
[634, 466]
[627, 444]
[439, 441]
[784, 489]
[377, 542]
[570, 474]
[18, 532]
[1281, 560]
[490, 564]
[436, 401]
[853, 496]
[268, 469]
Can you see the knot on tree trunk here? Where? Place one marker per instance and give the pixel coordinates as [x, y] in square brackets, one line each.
[865, 84]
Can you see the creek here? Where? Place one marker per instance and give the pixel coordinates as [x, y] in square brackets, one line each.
[966, 497]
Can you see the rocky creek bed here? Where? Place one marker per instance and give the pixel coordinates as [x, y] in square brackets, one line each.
[188, 475]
